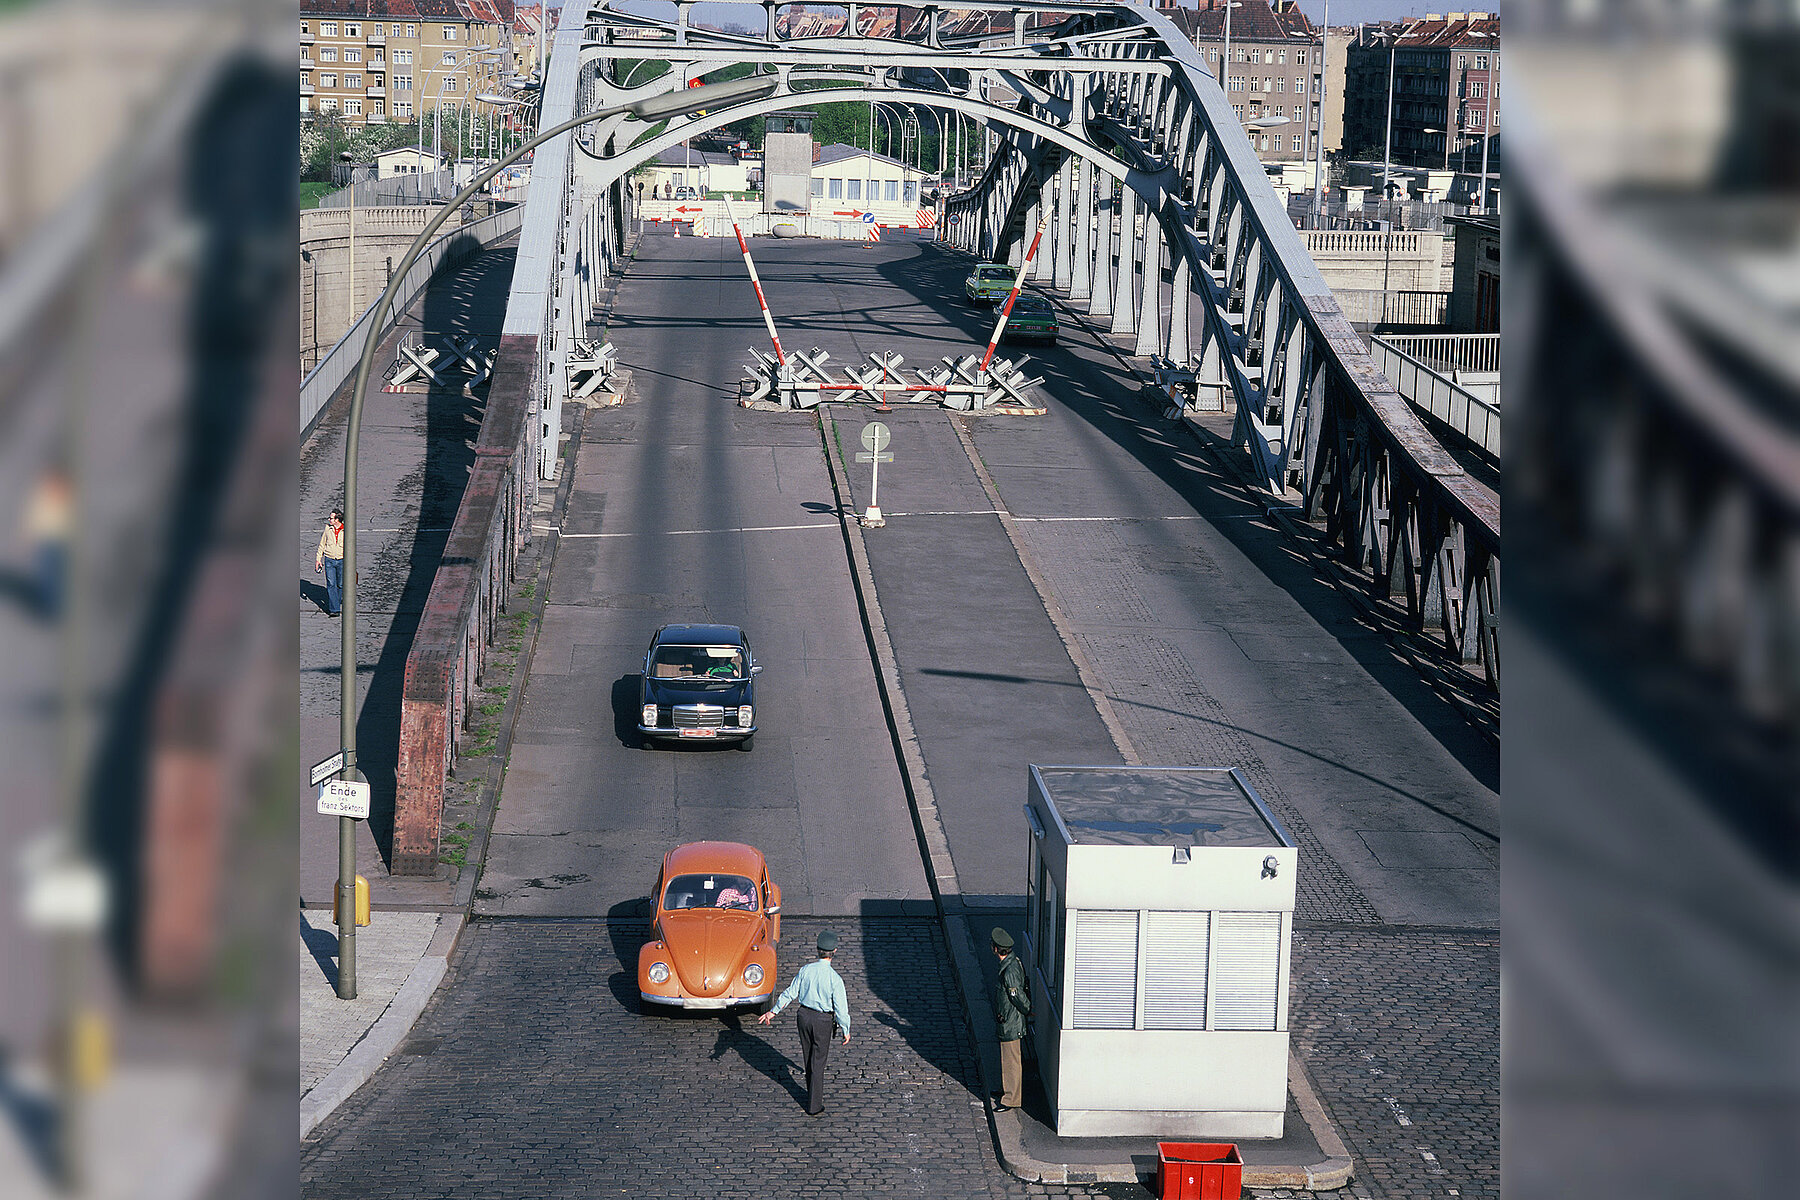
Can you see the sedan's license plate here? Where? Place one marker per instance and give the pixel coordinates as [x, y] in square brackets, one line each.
[706, 733]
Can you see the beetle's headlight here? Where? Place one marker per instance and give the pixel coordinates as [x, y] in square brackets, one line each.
[649, 714]
[753, 975]
[659, 972]
[744, 716]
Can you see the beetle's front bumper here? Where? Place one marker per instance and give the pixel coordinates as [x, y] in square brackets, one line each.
[700, 1004]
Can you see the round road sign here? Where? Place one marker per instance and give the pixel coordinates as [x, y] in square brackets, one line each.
[875, 437]
[868, 218]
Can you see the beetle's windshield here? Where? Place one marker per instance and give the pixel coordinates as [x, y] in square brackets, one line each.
[697, 664]
[710, 891]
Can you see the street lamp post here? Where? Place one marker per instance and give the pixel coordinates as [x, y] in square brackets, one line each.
[1318, 205]
[1487, 131]
[680, 102]
[1225, 79]
[350, 159]
[1387, 158]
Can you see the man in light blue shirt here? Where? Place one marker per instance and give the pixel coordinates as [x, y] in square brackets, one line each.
[820, 991]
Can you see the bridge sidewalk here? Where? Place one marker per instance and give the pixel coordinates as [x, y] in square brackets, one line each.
[414, 456]
[415, 453]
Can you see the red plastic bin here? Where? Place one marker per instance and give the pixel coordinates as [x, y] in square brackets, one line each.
[1200, 1170]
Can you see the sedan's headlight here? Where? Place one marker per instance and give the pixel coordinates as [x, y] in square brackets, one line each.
[649, 714]
[744, 717]
[659, 972]
[753, 975]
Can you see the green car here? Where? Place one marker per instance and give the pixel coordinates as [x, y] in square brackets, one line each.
[989, 283]
[1032, 318]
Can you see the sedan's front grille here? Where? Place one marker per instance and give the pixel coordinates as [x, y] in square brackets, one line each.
[699, 716]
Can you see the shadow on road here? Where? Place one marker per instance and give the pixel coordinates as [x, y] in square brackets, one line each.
[627, 692]
[766, 1059]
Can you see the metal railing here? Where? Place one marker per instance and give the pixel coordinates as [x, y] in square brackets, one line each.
[1376, 307]
[1336, 213]
[339, 363]
[431, 187]
[1361, 241]
[1457, 353]
[1455, 408]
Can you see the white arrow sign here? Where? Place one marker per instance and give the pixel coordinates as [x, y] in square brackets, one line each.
[344, 798]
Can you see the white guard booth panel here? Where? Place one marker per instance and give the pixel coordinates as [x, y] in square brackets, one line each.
[1159, 910]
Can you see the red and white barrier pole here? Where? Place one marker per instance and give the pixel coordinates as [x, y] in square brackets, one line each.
[1018, 280]
[768, 320]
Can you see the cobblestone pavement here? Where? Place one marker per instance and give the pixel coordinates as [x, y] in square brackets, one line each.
[507, 1088]
[1400, 1030]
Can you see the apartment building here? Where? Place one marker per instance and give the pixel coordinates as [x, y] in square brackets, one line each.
[1274, 77]
[1442, 76]
[373, 61]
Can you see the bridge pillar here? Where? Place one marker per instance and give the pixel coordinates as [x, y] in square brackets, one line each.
[1149, 326]
[1125, 277]
[1179, 311]
[1066, 206]
[1100, 304]
[1081, 279]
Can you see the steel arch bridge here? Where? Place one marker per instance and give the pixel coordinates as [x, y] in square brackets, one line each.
[1103, 127]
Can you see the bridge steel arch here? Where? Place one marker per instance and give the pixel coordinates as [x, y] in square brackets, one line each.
[1104, 127]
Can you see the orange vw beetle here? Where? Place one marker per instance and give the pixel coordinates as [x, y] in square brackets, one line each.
[717, 921]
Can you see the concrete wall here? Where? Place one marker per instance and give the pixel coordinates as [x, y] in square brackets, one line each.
[1360, 260]
[327, 310]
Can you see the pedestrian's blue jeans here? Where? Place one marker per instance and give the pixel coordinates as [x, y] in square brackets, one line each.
[52, 568]
[334, 585]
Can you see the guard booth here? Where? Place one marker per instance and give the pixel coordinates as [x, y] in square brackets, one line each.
[1159, 910]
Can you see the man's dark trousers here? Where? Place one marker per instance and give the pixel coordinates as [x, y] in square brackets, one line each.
[816, 1029]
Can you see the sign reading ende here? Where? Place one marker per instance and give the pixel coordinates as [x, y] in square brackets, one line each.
[344, 798]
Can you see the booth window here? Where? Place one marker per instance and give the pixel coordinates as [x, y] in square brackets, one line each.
[1106, 948]
[1050, 940]
[1246, 969]
[1175, 970]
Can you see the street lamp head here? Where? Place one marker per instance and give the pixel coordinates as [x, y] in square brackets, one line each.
[683, 101]
[496, 98]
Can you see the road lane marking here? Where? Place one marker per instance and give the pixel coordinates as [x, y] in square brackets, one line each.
[682, 532]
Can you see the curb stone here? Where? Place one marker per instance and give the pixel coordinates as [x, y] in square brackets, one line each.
[388, 1031]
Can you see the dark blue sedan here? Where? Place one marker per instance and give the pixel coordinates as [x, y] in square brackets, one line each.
[698, 684]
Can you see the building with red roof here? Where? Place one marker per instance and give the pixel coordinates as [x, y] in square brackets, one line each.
[1445, 85]
[375, 61]
[1275, 76]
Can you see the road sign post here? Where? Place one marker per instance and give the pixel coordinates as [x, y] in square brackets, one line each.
[347, 799]
[875, 438]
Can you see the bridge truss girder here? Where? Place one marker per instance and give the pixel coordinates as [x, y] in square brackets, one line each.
[1106, 128]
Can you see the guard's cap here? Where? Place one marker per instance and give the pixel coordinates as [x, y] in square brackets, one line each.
[828, 941]
[1002, 938]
